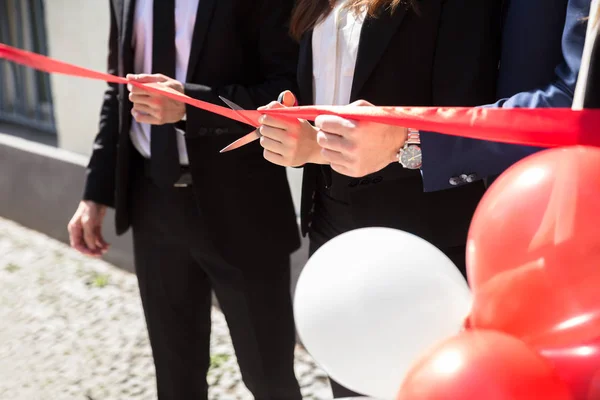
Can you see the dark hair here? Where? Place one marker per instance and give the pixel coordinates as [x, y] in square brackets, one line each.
[308, 13]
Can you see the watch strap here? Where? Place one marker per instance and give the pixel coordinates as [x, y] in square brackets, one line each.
[413, 137]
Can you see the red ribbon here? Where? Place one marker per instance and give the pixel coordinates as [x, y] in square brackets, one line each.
[50, 65]
[546, 127]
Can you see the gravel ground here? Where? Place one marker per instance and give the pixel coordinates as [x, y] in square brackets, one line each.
[72, 328]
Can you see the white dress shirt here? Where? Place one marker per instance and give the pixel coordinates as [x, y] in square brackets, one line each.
[593, 30]
[185, 20]
[335, 49]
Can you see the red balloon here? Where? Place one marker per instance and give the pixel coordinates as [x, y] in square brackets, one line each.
[529, 303]
[579, 367]
[545, 209]
[478, 365]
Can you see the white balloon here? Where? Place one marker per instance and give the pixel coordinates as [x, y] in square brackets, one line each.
[371, 301]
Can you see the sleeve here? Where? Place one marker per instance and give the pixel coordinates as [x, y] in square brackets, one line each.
[447, 158]
[277, 55]
[100, 180]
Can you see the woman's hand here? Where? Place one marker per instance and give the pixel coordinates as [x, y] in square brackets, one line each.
[288, 142]
[356, 148]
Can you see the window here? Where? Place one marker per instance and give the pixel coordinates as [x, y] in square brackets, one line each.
[25, 96]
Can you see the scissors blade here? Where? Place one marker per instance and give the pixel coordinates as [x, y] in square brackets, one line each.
[252, 136]
[237, 109]
[244, 140]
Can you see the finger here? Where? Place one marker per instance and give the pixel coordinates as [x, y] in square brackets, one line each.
[361, 103]
[88, 237]
[273, 157]
[147, 78]
[287, 99]
[272, 145]
[82, 248]
[282, 136]
[78, 243]
[145, 118]
[144, 109]
[341, 169]
[280, 123]
[334, 124]
[334, 157]
[143, 98]
[138, 90]
[271, 106]
[101, 244]
[76, 237]
[333, 142]
[279, 135]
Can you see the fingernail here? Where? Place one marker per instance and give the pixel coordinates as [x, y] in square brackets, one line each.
[129, 87]
[261, 120]
[349, 124]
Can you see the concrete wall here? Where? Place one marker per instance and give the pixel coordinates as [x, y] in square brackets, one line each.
[40, 187]
[77, 32]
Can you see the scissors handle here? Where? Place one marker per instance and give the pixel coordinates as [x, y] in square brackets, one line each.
[287, 98]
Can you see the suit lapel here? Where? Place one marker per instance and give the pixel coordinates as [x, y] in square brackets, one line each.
[126, 23]
[374, 39]
[117, 6]
[203, 18]
[305, 70]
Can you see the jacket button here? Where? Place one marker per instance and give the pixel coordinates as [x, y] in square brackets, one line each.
[471, 178]
[455, 181]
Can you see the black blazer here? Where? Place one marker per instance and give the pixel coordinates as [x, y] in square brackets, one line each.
[444, 53]
[240, 50]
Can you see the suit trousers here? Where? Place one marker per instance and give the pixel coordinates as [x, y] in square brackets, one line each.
[333, 217]
[177, 269]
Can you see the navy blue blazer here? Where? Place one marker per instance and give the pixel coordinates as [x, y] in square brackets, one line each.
[538, 36]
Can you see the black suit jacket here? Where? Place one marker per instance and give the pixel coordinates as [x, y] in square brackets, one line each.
[240, 50]
[443, 53]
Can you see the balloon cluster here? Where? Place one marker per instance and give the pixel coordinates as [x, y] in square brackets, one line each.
[388, 315]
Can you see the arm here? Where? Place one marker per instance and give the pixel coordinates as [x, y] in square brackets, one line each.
[100, 180]
[277, 58]
[464, 68]
[445, 156]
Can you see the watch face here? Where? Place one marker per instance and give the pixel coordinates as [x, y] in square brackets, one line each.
[411, 157]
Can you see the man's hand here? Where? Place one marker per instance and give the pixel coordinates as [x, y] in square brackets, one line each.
[152, 108]
[289, 142]
[355, 148]
[85, 229]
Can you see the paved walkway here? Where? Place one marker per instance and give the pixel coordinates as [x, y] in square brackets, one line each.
[71, 328]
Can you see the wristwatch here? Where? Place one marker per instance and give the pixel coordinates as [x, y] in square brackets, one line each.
[410, 155]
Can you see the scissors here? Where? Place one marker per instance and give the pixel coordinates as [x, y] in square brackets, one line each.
[244, 140]
[254, 135]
